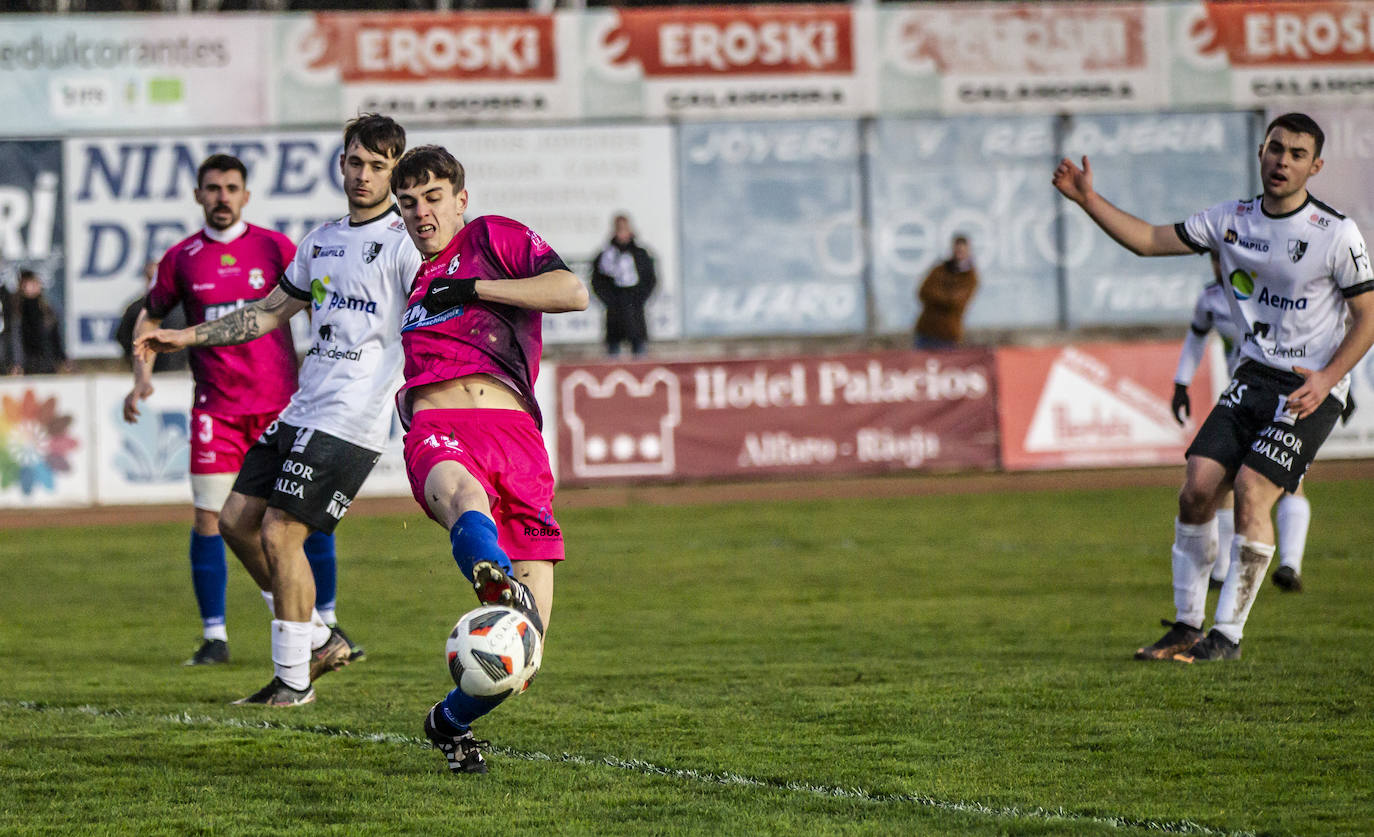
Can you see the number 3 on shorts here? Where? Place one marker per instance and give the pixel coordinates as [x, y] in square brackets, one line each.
[206, 433]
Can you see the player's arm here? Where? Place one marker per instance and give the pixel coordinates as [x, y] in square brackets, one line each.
[552, 292]
[247, 323]
[1137, 235]
[1304, 400]
[143, 367]
[1189, 358]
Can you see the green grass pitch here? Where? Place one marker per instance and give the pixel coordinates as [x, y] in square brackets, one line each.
[923, 665]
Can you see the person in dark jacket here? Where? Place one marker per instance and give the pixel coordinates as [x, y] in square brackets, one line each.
[35, 331]
[176, 318]
[944, 295]
[623, 277]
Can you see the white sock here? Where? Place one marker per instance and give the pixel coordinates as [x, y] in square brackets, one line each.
[1294, 517]
[1191, 561]
[1249, 560]
[1226, 532]
[218, 631]
[328, 616]
[319, 631]
[291, 652]
[271, 602]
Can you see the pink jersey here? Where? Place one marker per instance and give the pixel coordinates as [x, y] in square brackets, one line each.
[480, 337]
[211, 279]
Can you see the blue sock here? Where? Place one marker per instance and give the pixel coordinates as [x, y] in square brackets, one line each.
[474, 539]
[460, 710]
[319, 550]
[209, 576]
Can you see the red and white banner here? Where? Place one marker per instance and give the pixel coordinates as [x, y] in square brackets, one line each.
[722, 61]
[1096, 405]
[1039, 57]
[1297, 52]
[802, 416]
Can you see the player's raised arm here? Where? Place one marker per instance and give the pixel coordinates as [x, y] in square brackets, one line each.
[247, 323]
[1137, 235]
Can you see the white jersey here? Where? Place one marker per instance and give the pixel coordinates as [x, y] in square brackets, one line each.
[1211, 312]
[1289, 277]
[357, 278]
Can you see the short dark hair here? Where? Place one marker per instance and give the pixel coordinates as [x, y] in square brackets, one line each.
[959, 238]
[378, 134]
[220, 162]
[25, 274]
[427, 162]
[1299, 123]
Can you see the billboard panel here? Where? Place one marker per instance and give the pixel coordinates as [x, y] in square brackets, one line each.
[1163, 168]
[71, 73]
[32, 226]
[771, 231]
[801, 416]
[1094, 405]
[984, 177]
[45, 442]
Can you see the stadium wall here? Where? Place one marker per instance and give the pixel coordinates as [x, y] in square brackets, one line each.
[63, 442]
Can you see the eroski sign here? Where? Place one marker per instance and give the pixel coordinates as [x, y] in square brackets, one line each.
[129, 199]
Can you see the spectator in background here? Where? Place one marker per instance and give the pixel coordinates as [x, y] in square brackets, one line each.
[35, 331]
[623, 277]
[5, 311]
[176, 318]
[944, 294]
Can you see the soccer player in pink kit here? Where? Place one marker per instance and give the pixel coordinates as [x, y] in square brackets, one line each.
[473, 448]
[239, 390]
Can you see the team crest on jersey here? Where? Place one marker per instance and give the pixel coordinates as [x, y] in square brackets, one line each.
[256, 280]
[1296, 249]
[370, 251]
[452, 264]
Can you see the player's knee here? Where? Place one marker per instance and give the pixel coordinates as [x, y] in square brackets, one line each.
[1195, 505]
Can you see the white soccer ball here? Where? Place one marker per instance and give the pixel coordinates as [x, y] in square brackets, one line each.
[493, 651]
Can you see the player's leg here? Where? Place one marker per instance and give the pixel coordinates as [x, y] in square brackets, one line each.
[1226, 532]
[317, 480]
[209, 571]
[1293, 518]
[320, 552]
[1280, 455]
[240, 521]
[538, 577]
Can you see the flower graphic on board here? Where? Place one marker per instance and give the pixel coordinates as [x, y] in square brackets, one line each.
[34, 444]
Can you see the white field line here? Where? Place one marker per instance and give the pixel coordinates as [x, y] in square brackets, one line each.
[1014, 813]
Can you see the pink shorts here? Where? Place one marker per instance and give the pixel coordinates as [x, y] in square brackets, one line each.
[504, 451]
[218, 442]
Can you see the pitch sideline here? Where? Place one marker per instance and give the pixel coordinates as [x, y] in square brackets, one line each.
[1056, 815]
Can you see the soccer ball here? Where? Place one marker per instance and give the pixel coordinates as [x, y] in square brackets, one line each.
[493, 651]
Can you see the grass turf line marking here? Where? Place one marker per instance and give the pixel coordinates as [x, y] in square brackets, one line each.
[650, 769]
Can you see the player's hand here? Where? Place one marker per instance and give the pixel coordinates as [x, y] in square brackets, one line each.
[1304, 401]
[1182, 408]
[447, 292]
[140, 392]
[1072, 182]
[162, 341]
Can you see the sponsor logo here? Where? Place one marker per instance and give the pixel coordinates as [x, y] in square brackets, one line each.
[1257, 245]
[1361, 260]
[536, 242]
[325, 251]
[742, 41]
[332, 353]
[202, 286]
[1235, 391]
[338, 505]
[256, 280]
[1281, 302]
[1242, 209]
[303, 435]
[370, 251]
[226, 260]
[1280, 351]
[214, 312]
[298, 469]
[352, 303]
[542, 532]
[1320, 221]
[1242, 284]
[417, 317]
[318, 290]
[291, 487]
[1296, 249]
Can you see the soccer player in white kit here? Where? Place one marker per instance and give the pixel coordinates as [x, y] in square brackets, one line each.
[354, 274]
[1293, 516]
[1295, 269]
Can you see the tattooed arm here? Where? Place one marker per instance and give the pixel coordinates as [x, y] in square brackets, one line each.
[247, 323]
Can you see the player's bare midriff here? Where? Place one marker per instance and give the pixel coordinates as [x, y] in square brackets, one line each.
[467, 392]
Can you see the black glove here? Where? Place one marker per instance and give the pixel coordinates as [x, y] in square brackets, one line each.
[446, 292]
[1181, 407]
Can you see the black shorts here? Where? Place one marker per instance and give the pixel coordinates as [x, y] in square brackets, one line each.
[308, 474]
[1249, 427]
